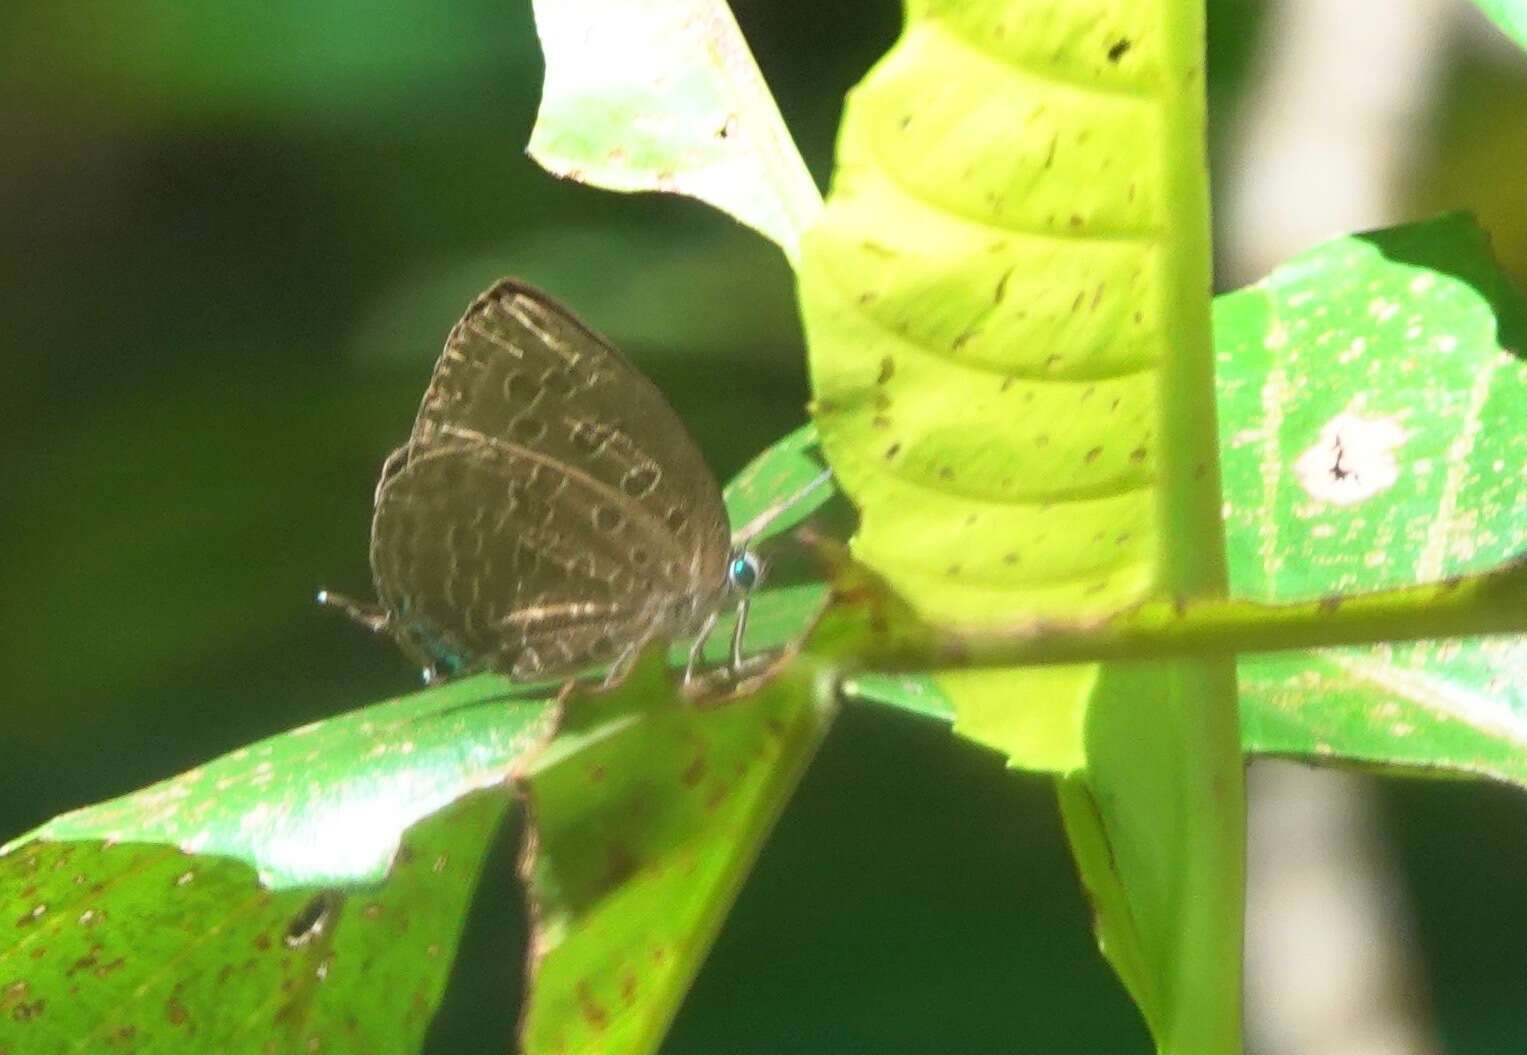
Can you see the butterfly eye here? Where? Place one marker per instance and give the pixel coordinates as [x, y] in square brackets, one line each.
[745, 572]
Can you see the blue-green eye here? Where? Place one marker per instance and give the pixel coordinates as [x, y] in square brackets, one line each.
[744, 572]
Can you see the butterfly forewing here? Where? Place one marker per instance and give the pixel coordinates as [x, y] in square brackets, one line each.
[550, 511]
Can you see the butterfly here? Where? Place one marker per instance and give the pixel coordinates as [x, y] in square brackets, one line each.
[549, 514]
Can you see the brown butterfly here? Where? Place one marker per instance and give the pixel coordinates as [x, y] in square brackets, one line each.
[549, 514]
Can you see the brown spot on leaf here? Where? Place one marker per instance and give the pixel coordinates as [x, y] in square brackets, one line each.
[620, 864]
[590, 1010]
[694, 772]
[85, 962]
[13, 994]
[887, 370]
[1001, 291]
[1119, 48]
[1092, 455]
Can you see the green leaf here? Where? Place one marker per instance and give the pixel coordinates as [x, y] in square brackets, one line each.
[327, 804]
[1415, 323]
[664, 95]
[175, 915]
[133, 946]
[1509, 15]
[648, 812]
[1006, 301]
[997, 366]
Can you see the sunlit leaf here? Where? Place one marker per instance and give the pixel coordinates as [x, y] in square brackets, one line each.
[1006, 301]
[989, 365]
[139, 947]
[664, 95]
[327, 803]
[1373, 392]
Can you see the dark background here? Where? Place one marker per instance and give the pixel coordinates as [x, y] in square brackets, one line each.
[232, 237]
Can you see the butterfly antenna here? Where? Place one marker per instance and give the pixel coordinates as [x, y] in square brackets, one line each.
[755, 527]
[371, 616]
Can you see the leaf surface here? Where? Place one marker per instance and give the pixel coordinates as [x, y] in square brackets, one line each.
[648, 813]
[1373, 393]
[307, 890]
[141, 947]
[328, 803]
[664, 95]
[1006, 301]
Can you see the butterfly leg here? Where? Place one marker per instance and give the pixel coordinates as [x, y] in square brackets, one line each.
[737, 632]
[699, 646]
[622, 665]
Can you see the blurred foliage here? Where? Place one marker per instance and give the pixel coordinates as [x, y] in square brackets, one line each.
[232, 240]
[1476, 141]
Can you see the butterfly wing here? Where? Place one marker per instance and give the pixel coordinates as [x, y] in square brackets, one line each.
[550, 510]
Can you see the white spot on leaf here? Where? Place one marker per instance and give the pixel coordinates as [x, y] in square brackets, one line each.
[1352, 460]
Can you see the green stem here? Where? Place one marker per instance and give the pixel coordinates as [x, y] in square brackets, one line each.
[1491, 603]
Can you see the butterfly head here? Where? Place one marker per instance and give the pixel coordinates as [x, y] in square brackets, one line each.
[744, 571]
